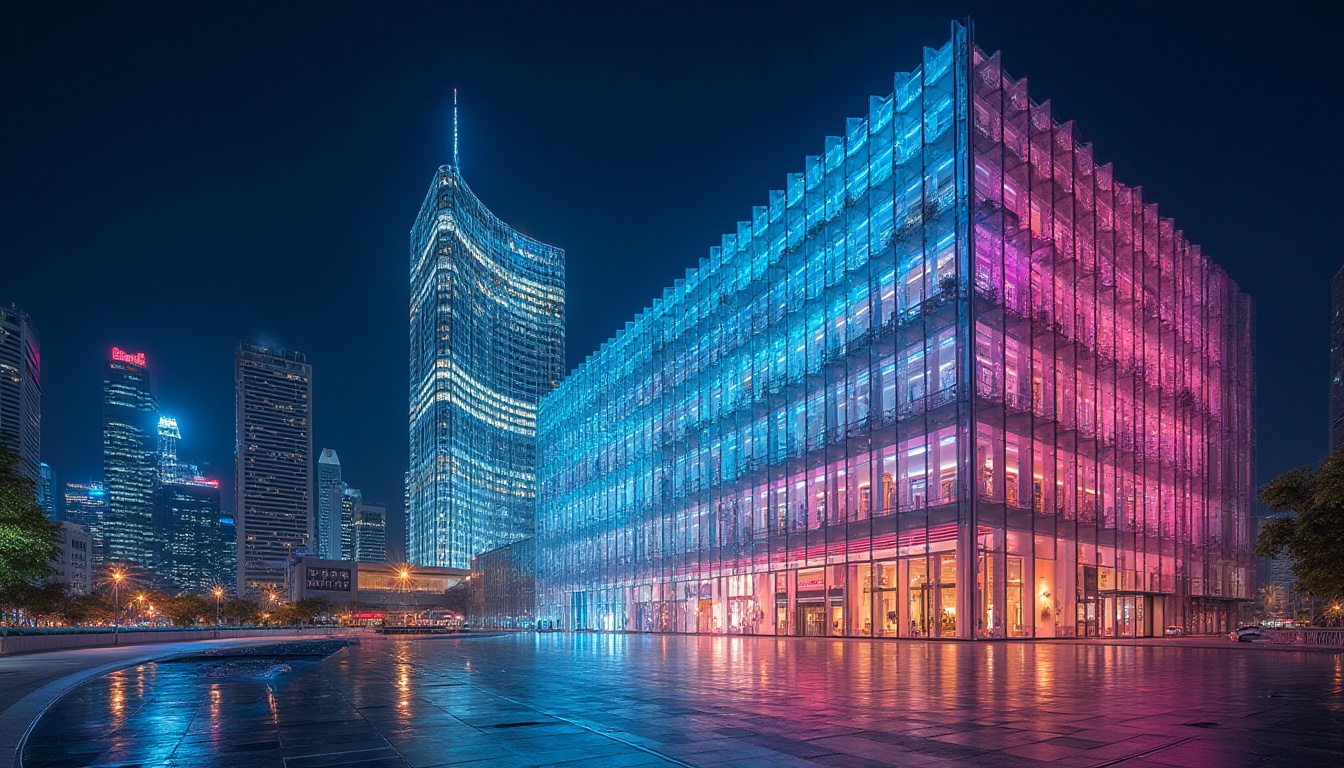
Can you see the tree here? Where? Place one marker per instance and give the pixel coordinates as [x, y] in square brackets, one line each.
[28, 543]
[240, 611]
[310, 608]
[87, 609]
[1313, 532]
[186, 610]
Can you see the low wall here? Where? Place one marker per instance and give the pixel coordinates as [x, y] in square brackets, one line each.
[1309, 636]
[14, 644]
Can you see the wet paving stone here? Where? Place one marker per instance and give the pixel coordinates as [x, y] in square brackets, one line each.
[595, 700]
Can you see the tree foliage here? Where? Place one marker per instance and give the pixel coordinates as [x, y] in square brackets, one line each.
[54, 603]
[186, 610]
[1312, 534]
[28, 543]
[305, 611]
[240, 611]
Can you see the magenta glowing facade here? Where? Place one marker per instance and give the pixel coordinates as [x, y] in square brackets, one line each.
[953, 381]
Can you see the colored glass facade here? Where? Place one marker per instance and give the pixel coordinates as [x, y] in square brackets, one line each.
[952, 381]
[486, 342]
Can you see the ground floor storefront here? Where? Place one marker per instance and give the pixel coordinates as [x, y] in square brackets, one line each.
[936, 593]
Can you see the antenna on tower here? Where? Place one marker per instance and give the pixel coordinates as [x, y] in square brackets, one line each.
[454, 127]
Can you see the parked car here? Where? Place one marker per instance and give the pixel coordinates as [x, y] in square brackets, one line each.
[1247, 634]
[1173, 631]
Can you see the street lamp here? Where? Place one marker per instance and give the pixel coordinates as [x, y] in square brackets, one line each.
[219, 592]
[118, 576]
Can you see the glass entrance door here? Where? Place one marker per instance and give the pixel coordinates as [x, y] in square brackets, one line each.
[812, 619]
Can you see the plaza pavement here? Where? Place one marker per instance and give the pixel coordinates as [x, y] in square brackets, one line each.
[30, 683]
[636, 700]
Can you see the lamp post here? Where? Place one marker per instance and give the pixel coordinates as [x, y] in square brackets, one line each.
[117, 577]
[403, 586]
[219, 592]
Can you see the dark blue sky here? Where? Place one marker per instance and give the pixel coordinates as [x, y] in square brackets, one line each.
[175, 177]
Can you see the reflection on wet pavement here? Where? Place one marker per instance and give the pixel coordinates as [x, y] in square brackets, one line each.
[590, 700]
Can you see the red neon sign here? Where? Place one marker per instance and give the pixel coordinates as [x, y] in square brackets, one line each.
[137, 359]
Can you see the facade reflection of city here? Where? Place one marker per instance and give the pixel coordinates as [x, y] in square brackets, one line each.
[953, 381]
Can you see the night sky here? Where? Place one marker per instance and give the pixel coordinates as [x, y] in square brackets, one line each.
[176, 178]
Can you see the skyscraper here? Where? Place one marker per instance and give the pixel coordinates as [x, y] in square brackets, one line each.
[188, 521]
[347, 503]
[226, 551]
[130, 460]
[20, 389]
[169, 438]
[273, 465]
[326, 527]
[186, 518]
[369, 533]
[953, 380]
[1337, 361]
[47, 496]
[487, 340]
[86, 504]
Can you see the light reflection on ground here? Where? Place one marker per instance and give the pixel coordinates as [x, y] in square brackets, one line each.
[659, 700]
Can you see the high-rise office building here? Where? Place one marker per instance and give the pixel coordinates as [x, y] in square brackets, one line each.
[130, 461]
[48, 497]
[20, 389]
[1337, 361]
[346, 504]
[369, 533]
[86, 505]
[487, 341]
[954, 380]
[226, 551]
[327, 528]
[187, 517]
[273, 465]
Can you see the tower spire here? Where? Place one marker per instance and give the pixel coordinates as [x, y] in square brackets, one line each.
[455, 127]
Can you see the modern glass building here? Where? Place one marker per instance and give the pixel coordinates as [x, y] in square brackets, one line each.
[503, 587]
[130, 462]
[189, 527]
[47, 497]
[487, 341]
[326, 503]
[369, 534]
[86, 505]
[953, 380]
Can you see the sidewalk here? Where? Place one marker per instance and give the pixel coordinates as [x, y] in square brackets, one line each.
[30, 683]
